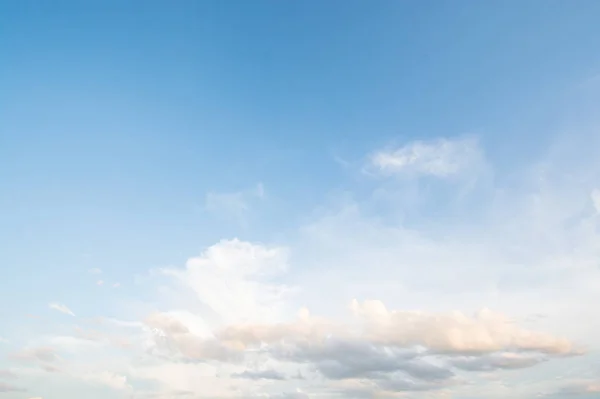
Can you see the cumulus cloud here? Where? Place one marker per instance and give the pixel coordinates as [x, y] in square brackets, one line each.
[61, 308]
[232, 279]
[440, 158]
[397, 351]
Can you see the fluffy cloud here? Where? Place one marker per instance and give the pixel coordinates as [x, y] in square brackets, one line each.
[232, 279]
[396, 351]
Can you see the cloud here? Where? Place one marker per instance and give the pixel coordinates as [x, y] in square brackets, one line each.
[100, 283]
[397, 351]
[61, 308]
[497, 361]
[3, 340]
[7, 374]
[260, 375]
[109, 379]
[397, 385]
[578, 388]
[95, 271]
[235, 205]
[4, 387]
[231, 278]
[41, 354]
[595, 195]
[291, 395]
[441, 158]
[455, 332]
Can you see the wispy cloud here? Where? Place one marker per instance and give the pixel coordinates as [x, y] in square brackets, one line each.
[95, 271]
[61, 308]
[234, 205]
[441, 158]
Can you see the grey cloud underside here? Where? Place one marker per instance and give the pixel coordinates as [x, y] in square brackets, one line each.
[41, 354]
[498, 361]
[260, 375]
[339, 359]
[6, 387]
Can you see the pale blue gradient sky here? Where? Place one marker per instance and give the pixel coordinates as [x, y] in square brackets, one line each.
[134, 135]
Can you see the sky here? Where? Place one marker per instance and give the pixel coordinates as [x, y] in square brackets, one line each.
[293, 200]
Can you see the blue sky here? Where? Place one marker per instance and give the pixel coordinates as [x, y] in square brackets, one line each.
[435, 156]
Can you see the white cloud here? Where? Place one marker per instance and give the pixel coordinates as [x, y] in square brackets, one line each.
[61, 308]
[440, 157]
[234, 205]
[95, 271]
[100, 282]
[596, 199]
[232, 279]
[454, 332]
[109, 379]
